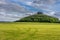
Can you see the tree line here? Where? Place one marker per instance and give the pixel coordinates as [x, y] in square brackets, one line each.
[39, 17]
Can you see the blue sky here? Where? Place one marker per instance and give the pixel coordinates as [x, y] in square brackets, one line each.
[39, 5]
[49, 7]
[52, 5]
[26, 6]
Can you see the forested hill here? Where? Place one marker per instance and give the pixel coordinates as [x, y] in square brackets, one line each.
[39, 17]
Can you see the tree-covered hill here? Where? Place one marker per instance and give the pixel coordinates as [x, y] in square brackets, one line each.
[39, 17]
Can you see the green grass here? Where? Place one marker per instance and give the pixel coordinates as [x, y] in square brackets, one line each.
[29, 31]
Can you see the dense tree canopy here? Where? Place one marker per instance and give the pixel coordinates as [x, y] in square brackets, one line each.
[39, 17]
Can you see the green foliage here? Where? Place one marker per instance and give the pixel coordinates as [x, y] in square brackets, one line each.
[39, 17]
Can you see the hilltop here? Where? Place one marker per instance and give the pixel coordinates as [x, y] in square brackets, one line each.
[39, 17]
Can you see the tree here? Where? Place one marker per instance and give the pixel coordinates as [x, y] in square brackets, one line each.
[39, 17]
[39, 13]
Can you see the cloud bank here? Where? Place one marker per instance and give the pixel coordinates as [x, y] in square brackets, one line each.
[11, 10]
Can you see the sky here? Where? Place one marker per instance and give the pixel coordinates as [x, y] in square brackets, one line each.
[46, 4]
[11, 10]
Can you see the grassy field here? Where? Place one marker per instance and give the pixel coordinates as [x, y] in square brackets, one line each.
[29, 31]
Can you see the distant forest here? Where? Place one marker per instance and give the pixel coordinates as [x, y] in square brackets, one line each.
[39, 17]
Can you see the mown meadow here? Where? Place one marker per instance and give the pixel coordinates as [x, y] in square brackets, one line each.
[29, 31]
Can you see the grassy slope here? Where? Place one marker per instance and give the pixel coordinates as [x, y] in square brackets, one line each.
[29, 31]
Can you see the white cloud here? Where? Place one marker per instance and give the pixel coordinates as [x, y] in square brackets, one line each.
[29, 3]
[2, 2]
[52, 13]
[46, 5]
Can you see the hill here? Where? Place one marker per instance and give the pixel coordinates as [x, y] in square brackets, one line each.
[39, 17]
